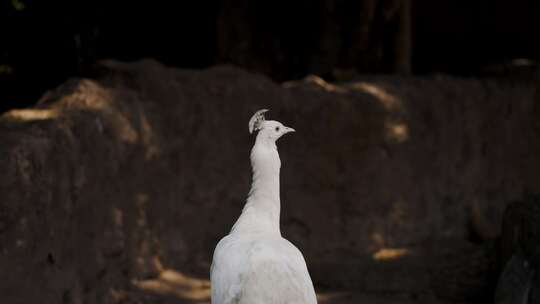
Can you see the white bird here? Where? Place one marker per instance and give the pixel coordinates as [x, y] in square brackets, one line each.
[254, 264]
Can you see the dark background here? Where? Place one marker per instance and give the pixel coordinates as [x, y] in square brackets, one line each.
[408, 181]
[45, 42]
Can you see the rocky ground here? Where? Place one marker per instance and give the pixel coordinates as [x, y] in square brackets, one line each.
[116, 189]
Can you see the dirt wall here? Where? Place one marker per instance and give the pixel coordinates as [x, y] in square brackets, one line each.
[116, 189]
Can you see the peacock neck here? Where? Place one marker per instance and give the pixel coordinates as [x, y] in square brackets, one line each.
[262, 210]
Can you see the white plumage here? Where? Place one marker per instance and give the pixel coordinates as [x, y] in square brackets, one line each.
[254, 264]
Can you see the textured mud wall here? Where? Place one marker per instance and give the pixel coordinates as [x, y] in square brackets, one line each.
[116, 190]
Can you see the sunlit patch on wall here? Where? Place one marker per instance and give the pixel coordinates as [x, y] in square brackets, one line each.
[173, 283]
[31, 114]
[318, 81]
[386, 254]
[396, 131]
[389, 101]
[90, 95]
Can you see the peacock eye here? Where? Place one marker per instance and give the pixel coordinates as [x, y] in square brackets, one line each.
[277, 129]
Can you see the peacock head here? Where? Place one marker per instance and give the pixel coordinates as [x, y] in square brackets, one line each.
[269, 129]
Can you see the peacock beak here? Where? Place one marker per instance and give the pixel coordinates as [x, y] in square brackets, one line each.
[289, 130]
